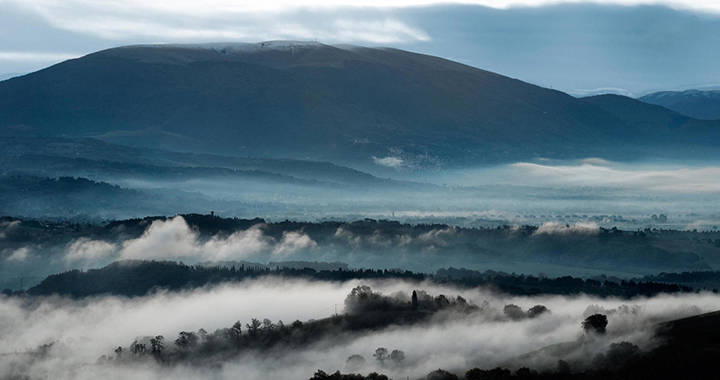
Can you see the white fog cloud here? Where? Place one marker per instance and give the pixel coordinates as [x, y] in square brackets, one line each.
[17, 255]
[6, 227]
[391, 162]
[174, 239]
[35, 57]
[591, 173]
[87, 249]
[85, 329]
[549, 228]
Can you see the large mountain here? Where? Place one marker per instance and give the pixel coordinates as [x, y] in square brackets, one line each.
[346, 104]
[700, 104]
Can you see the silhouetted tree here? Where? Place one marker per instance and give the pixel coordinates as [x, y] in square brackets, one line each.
[595, 323]
[253, 327]
[397, 356]
[186, 339]
[156, 345]
[381, 354]
[536, 311]
[355, 362]
[236, 333]
[441, 374]
[513, 312]
[138, 349]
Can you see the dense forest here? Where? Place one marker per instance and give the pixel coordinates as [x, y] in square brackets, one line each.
[137, 278]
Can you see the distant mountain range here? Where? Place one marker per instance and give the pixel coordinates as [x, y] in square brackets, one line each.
[344, 104]
[700, 104]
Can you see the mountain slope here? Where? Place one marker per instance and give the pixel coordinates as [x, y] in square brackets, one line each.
[700, 104]
[657, 122]
[307, 100]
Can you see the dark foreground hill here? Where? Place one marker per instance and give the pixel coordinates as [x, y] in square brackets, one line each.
[309, 100]
[693, 103]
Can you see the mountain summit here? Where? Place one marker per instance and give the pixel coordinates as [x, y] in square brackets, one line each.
[347, 104]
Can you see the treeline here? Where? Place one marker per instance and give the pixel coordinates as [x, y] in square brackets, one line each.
[697, 279]
[531, 285]
[365, 310]
[690, 351]
[138, 278]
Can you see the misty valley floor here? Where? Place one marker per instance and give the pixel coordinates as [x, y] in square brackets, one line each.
[292, 300]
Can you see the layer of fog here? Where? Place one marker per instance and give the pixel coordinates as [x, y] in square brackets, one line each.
[517, 193]
[86, 329]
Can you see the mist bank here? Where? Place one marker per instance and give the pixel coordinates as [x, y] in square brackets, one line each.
[73, 334]
[38, 249]
[36, 183]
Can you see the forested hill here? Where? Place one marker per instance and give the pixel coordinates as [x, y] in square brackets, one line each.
[138, 278]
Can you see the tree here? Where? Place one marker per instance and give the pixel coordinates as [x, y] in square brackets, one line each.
[253, 327]
[489, 374]
[441, 301]
[118, 352]
[236, 333]
[381, 354]
[267, 324]
[156, 345]
[441, 374]
[186, 340]
[355, 362]
[397, 356]
[138, 349]
[537, 310]
[513, 312]
[620, 353]
[414, 299]
[595, 323]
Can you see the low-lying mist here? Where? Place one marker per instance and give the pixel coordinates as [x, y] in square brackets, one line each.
[81, 331]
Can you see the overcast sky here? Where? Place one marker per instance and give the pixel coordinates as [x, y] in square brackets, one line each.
[581, 47]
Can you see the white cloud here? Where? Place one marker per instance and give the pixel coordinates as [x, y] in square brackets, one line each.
[293, 242]
[391, 162]
[174, 239]
[39, 57]
[87, 249]
[222, 20]
[6, 227]
[550, 228]
[20, 254]
[83, 330]
[683, 180]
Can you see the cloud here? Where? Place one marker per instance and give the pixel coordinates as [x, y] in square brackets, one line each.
[174, 239]
[293, 242]
[391, 162]
[683, 180]
[601, 91]
[87, 249]
[35, 57]
[16, 255]
[551, 228]
[223, 20]
[7, 226]
[85, 329]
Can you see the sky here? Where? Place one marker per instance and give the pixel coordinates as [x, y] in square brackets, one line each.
[630, 47]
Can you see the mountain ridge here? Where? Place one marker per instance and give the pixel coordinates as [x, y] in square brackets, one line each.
[346, 105]
[699, 104]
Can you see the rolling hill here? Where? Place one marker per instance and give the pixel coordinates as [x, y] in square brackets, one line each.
[344, 104]
[700, 104]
